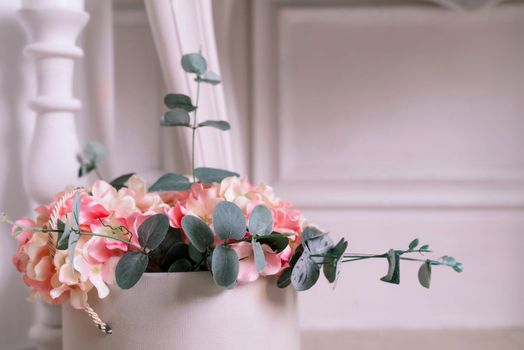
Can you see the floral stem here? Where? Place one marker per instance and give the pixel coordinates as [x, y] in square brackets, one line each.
[193, 136]
[140, 249]
[97, 172]
[45, 230]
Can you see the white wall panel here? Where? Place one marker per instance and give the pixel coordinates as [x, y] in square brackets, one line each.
[391, 122]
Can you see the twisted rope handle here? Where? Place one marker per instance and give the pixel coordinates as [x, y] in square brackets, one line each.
[51, 245]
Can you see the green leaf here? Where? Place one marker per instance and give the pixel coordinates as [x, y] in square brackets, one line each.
[333, 260]
[413, 244]
[210, 78]
[74, 235]
[176, 252]
[424, 274]
[305, 273]
[173, 236]
[218, 124]
[153, 231]
[130, 268]
[260, 221]
[86, 168]
[62, 241]
[194, 63]
[448, 260]
[94, 153]
[284, 279]
[195, 254]
[458, 267]
[121, 181]
[224, 266]
[424, 247]
[276, 241]
[181, 265]
[260, 258]
[198, 232]
[210, 175]
[171, 183]
[319, 245]
[179, 101]
[393, 275]
[311, 232]
[175, 117]
[229, 221]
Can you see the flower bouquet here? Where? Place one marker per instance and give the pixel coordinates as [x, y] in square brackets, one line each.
[198, 235]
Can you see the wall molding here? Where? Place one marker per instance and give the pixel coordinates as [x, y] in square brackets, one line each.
[464, 191]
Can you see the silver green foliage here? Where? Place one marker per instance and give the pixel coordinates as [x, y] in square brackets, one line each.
[194, 63]
[198, 232]
[424, 274]
[229, 221]
[224, 266]
[130, 269]
[170, 182]
[261, 221]
[211, 175]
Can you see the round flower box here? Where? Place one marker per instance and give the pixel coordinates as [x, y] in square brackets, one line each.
[188, 311]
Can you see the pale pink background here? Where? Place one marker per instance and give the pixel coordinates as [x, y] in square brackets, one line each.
[383, 123]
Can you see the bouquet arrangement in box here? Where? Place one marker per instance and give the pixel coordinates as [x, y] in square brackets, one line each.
[214, 220]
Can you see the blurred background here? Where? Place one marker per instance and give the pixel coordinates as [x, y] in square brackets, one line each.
[383, 121]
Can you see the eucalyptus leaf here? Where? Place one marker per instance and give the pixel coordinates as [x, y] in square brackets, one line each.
[71, 245]
[413, 244]
[305, 272]
[179, 101]
[94, 153]
[333, 260]
[176, 252]
[276, 241]
[229, 221]
[130, 269]
[194, 63]
[198, 232]
[424, 247]
[319, 245]
[311, 232]
[74, 234]
[173, 236]
[284, 279]
[458, 267]
[62, 241]
[181, 265]
[210, 78]
[176, 117]
[424, 274]
[393, 275]
[210, 175]
[224, 266]
[75, 220]
[86, 168]
[171, 183]
[260, 258]
[153, 231]
[195, 254]
[260, 221]
[217, 124]
[121, 181]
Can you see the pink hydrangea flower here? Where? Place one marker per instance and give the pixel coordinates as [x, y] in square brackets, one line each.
[108, 212]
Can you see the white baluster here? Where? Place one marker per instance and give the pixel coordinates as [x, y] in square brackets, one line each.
[53, 27]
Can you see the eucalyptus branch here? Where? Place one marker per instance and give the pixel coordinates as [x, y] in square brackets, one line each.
[193, 136]
[82, 233]
[140, 249]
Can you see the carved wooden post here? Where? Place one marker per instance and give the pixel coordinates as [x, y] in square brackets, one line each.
[53, 27]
